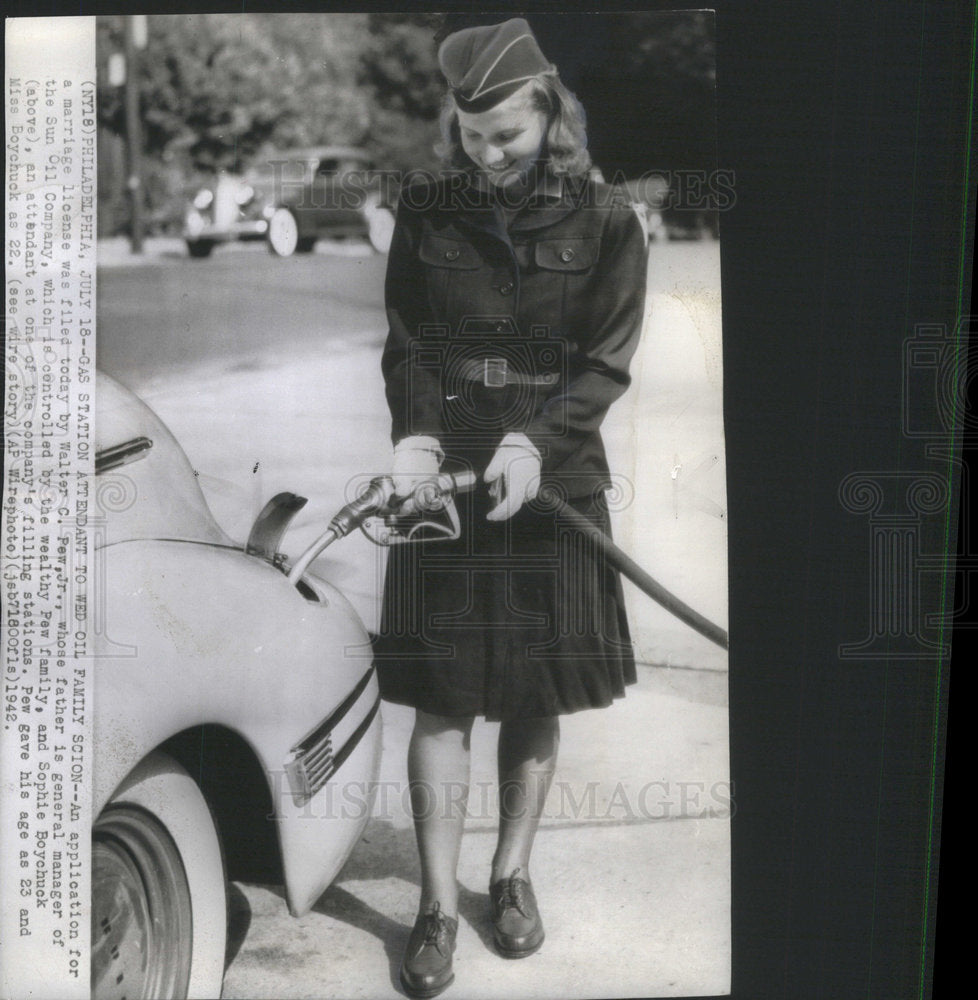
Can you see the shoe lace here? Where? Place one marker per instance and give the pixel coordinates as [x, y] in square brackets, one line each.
[436, 928]
[512, 894]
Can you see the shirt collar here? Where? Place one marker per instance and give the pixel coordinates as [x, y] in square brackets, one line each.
[551, 199]
[544, 186]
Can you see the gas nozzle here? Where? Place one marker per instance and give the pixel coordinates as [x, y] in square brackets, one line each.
[378, 500]
[372, 500]
[434, 493]
[426, 514]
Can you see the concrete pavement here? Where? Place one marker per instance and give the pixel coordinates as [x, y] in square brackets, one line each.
[632, 860]
[631, 868]
[268, 373]
[116, 251]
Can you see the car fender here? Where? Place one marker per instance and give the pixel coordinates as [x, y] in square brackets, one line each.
[190, 633]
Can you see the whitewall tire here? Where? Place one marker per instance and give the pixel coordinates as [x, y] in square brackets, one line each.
[159, 897]
[283, 232]
[380, 228]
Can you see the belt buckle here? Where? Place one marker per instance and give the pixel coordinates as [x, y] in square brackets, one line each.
[494, 373]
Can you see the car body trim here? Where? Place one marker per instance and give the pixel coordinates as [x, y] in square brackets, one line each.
[122, 454]
[334, 717]
[351, 744]
[313, 760]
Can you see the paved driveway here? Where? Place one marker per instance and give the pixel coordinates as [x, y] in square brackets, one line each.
[267, 371]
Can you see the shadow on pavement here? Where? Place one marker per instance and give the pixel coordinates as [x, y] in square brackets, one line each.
[343, 906]
[239, 922]
[387, 852]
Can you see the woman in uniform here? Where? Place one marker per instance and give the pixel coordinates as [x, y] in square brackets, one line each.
[515, 295]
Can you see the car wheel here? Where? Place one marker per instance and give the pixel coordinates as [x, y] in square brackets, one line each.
[283, 233]
[159, 901]
[305, 245]
[380, 229]
[200, 248]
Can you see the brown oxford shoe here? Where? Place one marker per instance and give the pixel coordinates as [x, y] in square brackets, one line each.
[517, 929]
[427, 966]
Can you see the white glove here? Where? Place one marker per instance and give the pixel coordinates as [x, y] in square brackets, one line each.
[513, 476]
[416, 459]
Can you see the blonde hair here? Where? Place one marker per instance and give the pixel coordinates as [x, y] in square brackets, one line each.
[565, 143]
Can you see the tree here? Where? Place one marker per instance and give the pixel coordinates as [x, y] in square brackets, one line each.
[650, 93]
[399, 73]
[216, 89]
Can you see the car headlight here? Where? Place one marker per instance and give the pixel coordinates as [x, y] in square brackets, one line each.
[244, 194]
[194, 223]
[203, 198]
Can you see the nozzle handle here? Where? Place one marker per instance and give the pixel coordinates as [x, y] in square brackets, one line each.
[432, 494]
[374, 498]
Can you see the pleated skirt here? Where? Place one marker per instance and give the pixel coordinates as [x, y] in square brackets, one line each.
[514, 619]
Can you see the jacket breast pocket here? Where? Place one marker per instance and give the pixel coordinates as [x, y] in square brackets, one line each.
[442, 251]
[570, 255]
[452, 270]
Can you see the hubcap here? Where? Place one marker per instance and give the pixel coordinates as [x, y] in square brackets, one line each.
[142, 930]
[381, 229]
[283, 233]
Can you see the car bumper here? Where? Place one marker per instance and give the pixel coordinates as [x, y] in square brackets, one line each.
[247, 229]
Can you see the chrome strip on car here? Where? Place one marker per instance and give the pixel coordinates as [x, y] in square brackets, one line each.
[314, 762]
[122, 454]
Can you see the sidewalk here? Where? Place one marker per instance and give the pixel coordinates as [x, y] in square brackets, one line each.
[633, 884]
[632, 859]
[664, 441]
[116, 251]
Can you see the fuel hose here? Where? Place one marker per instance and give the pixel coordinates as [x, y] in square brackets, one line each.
[631, 569]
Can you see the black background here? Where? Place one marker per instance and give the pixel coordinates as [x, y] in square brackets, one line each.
[848, 128]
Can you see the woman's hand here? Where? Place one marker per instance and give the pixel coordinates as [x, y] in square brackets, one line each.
[416, 459]
[513, 476]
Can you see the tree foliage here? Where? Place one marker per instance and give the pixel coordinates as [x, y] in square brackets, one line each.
[399, 73]
[215, 89]
[650, 92]
[218, 89]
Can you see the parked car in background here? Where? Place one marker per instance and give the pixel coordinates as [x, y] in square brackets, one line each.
[230, 208]
[236, 728]
[648, 195]
[671, 212]
[293, 198]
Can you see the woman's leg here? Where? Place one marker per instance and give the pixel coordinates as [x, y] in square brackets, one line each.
[438, 771]
[527, 758]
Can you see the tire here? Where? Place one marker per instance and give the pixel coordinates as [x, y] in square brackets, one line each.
[283, 233]
[159, 898]
[200, 248]
[380, 229]
[305, 244]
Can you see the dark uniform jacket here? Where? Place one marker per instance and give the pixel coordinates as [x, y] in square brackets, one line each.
[513, 318]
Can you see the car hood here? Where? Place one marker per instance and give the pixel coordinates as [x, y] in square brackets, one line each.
[145, 485]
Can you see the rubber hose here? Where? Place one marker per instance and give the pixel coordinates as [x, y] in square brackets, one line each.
[628, 567]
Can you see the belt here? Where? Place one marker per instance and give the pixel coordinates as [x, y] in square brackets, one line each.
[495, 374]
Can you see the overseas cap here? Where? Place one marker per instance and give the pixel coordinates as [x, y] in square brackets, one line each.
[485, 64]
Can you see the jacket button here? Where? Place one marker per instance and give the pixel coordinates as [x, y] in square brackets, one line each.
[506, 289]
[451, 255]
[567, 255]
